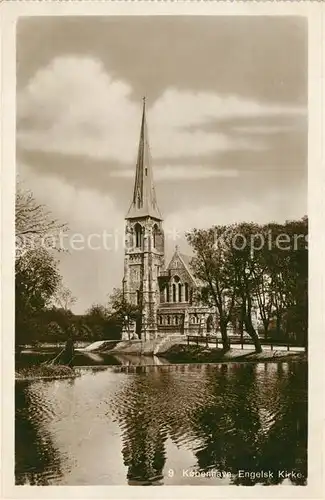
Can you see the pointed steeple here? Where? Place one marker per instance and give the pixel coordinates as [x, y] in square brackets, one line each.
[144, 202]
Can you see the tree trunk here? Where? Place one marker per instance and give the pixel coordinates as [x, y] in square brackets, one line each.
[278, 323]
[249, 326]
[68, 352]
[252, 333]
[266, 325]
[224, 336]
[65, 356]
[241, 327]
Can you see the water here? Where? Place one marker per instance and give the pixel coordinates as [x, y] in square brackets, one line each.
[167, 424]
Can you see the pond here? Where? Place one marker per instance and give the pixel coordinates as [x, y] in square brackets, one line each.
[234, 423]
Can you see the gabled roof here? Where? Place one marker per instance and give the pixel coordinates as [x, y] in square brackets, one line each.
[144, 201]
[185, 260]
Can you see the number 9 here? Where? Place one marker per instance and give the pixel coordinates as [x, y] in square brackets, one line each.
[170, 472]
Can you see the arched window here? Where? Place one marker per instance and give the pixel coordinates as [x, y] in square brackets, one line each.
[180, 292]
[174, 292]
[155, 233]
[186, 292]
[176, 320]
[176, 280]
[167, 293]
[138, 235]
[163, 295]
[138, 297]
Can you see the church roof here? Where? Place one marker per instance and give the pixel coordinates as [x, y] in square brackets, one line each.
[186, 261]
[144, 201]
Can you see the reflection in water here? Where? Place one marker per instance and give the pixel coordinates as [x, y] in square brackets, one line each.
[260, 426]
[286, 442]
[90, 358]
[229, 426]
[37, 460]
[132, 360]
[143, 441]
[143, 435]
[235, 418]
[227, 418]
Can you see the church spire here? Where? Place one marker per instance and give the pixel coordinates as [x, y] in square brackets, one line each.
[144, 202]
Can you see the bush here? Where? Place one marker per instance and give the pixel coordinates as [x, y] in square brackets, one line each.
[193, 353]
[45, 371]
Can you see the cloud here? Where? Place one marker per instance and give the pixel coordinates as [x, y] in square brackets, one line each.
[74, 106]
[178, 108]
[272, 209]
[180, 172]
[84, 209]
[274, 206]
[92, 269]
[266, 129]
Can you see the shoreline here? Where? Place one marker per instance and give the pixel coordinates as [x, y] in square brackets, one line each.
[175, 356]
[198, 354]
[283, 359]
[45, 372]
[40, 377]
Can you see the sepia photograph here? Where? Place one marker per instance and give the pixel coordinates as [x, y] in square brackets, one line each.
[161, 263]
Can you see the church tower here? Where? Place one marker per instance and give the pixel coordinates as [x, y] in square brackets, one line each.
[144, 242]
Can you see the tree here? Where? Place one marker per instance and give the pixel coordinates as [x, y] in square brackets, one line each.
[36, 269]
[37, 278]
[34, 224]
[264, 260]
[54, 332]
[63, 297]
[248, 266]
[285, 261]
[96, 319]
[124, 313]
[213, 267]
[295, 271]
[103, 323]
[248, 273]
[276, 260]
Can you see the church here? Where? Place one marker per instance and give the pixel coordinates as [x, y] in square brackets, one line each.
[167, 295]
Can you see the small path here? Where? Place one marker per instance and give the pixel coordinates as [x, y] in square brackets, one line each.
[93, 346]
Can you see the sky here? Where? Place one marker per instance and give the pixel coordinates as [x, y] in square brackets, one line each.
[227, 120]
